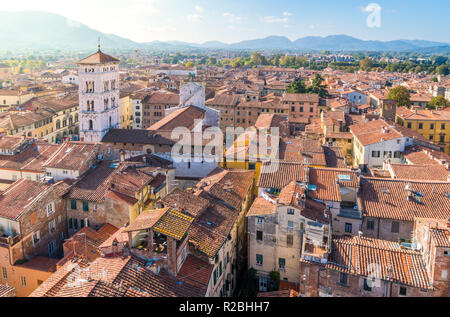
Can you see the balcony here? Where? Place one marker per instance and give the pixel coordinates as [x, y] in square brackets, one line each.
[350, 213]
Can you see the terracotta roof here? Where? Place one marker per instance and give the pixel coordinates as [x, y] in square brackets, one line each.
[72, 156]
[334, 157]
[387, 198]
[267, 121]
[183, 117]
[23, 194]
[106, 176]
[98, 58]
[374, 132]
[328, 184]
[356, 256]
[32, 158]
[223, 100]
[40, 263]
[7, 291]
[210, 231]
[420, 172]
[184, 201]
[301, 98]
[423, 114]
[229, 186]
[114, 277]
[261, 207]
[196, 272]
[278, 175]
[146, 220]
[173, 224]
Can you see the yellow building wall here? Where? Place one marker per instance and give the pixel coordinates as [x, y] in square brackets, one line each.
[426, 130]
[15, 273]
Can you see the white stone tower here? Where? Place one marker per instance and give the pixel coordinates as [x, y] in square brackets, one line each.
[98, 77]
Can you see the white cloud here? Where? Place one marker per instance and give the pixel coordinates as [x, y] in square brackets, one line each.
[231, 18]
[194, 18]
[287, 14]
[274, 19]
[199, 9]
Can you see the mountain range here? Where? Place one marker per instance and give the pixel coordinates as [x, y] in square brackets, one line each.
[40, 30]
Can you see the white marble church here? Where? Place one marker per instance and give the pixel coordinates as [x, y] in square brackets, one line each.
[98, 76]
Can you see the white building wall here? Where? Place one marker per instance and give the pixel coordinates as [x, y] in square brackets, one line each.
[103, 118]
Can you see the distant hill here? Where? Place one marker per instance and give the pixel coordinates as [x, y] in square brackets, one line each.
[42, 30]
[39, 30]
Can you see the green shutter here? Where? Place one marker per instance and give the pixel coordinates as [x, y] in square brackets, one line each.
[73, 204]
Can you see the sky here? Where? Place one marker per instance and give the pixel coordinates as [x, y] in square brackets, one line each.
[232, 21]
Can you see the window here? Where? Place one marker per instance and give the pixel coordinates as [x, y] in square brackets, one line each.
[442, 126]
[431, 137]
[50, 209]
[432, 126]
[444, 274]
[85, 206]
[301, 109]
[23, 280]
[73, 204]
[82, 223]
[420, 126]
[397, 154]
[36, 237]
[376, 153]
[290, 240]
[348, 228]
[260, 220]
[251, 166]
[409, 125]
[282, 263]
[371, 224]
[343, 278]
[402, 291]
[70, 223]
[259, 235]
[395, 227]
[5, 273]
[75, 224]
[52, 226]
[290, 225]
[367, 287]
[220, 268]
[259, 259]
[291, 211]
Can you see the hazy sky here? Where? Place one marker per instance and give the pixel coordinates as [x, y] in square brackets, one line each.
[236, 20]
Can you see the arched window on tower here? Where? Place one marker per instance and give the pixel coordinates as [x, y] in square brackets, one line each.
[91, 125]
[110, 122]
[106, 102]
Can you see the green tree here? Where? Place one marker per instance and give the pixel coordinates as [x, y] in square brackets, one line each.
[251, 284]
[401, 95]
[274, 281]
[438, 102]
[296, 87]
[317, 87]
[443, 70]
[365, 63]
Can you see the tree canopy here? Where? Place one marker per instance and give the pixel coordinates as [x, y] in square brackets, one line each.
[401, 95]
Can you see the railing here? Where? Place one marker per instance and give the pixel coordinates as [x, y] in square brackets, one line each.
[13, 240]
[350, 213]
[315, 259]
